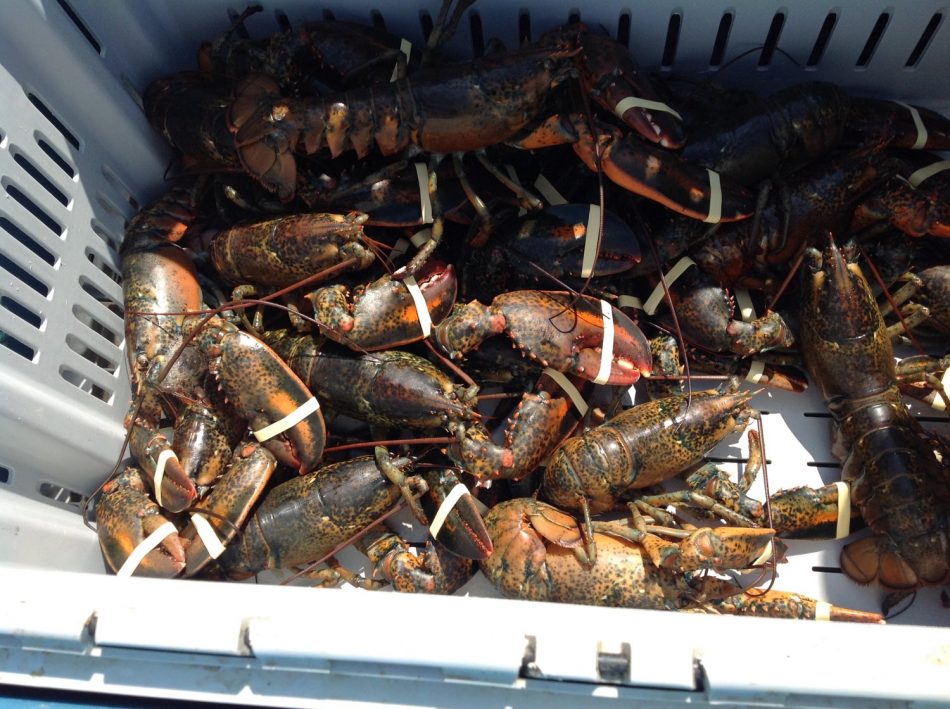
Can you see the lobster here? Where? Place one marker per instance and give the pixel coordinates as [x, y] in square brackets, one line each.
[172, 351]
[897, 472]
[536, 557]
[472, 105]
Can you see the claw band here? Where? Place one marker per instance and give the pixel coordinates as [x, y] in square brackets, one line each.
[744, 301]
[420, 238]
[448, 504]
[924, 173]
[626, 104]
[679, 268]
[422, 309]
[629, 301]
[160, 473]
[756, 370]
[548, 191]
[568, 387]
[405, 46]
[822, 610]
[765, 555]
[400, 247]
[918, 124]
[591, 236]
[715, 198]
[607, 346]
[144, 547]
[844, 510]
[425, 204]
[208, 536]
[939, 403]
[289, 421]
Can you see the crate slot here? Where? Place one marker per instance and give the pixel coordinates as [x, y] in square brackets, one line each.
[722, 40]
[771, 39]
[96, 325]
[28, 241]
[874, 39]
[924, 42]
[42, 180]
[623, 28]
[671, 43]
[44, 217]
[85, 384]
[425, 22]
[124, 192]
[524, 27]
[81, 26]
[85, 351]
[97, 261]
[21, 311]
[6, 475]
[61, 495]
[23, 276]
[328, 14]
[477, 35]
[111, 240]
[108, 302]
[821, 42]
[112, 209]
[54, 155]
[54, 120]
[17, 346]
[377, 20]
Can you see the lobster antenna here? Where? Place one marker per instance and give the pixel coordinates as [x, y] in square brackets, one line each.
[768, 508]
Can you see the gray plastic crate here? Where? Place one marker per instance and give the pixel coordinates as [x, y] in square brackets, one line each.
[77, 158]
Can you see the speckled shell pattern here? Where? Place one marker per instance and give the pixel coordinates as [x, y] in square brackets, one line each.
[527, 566]
[898, 483]
[305, 518]
[640, 447]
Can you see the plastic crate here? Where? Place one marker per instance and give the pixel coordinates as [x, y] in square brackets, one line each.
[77, 158]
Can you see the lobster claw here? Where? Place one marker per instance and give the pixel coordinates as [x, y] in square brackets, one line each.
[279, 408]
[125, 518]
[460, 528]
[174, 489]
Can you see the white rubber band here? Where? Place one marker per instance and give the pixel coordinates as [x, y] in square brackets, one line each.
[939, 404]
[715, 198]
[629, 301]
[548, 191]
[425, 204]
[420, 238]
[607, 346]
[160, 473]
[843, 529]
[405, 46]
[400, 247]
[626, 104]
[448, 504]
[822, 610]
[422, 309]
[208, 536]
[590, 240]
[765, 556]
[744, 301]
[568, 387]
[679, 268]
[756, 370]
[918, 124]
[924, 173]
[144, 547]
[308, 407]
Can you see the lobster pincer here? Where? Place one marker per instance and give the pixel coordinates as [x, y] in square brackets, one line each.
[576, 334]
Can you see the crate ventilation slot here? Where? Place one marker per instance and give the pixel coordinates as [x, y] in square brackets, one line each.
[109, 239]
[672, 41]
[45, 218]
[124, 193]
[96, 325]
[17, 346]
[81, 26]
[88, 353]
[877, 32]
[21, 311]
[6, 475]
[54, 120]
[42, 180]
[61, 495]
[61, 162]
[83, 383]
[103, 266]
[28, 241]
[821, 42]
[924, 42]
[722, 39]
[104, 300]
[23, 276]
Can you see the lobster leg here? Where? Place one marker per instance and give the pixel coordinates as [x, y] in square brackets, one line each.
[435, 570]
[725, 597]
